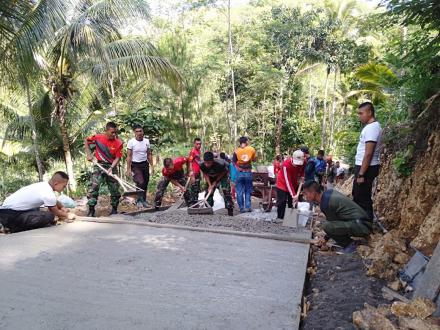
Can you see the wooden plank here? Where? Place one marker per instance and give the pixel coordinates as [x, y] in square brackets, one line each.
[429, 286]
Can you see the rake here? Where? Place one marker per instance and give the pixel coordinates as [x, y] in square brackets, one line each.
[202, 206]
[179, 201]
[129, 189]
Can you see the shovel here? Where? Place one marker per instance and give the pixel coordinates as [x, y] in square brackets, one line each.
[129, 189]
[202, 207]
[291, 218]
[179, 201]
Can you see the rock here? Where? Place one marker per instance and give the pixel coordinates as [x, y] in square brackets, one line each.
[406, 323]
[401, 258]
[396, 285]
[419, 307]
[371, 318]
[364, 251]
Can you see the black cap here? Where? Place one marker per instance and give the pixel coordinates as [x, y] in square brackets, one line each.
[208, 156]
[305, 150]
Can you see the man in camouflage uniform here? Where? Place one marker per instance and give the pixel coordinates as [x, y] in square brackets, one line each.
[216, 174]
[108, 153]
[172, 172]
[193, 161]
[344, 217]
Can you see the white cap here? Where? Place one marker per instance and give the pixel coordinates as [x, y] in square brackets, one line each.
[298, 158]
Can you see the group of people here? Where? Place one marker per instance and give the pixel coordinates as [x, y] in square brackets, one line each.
[345, 217]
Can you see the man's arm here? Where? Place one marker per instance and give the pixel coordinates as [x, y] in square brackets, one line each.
[369, 151]
[150, 157]
[114, 164]
[60, 213]
[219, 177]
[89, 155]
[177, 184]
[129, 160]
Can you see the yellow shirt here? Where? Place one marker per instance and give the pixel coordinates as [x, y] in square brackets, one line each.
[245, 156]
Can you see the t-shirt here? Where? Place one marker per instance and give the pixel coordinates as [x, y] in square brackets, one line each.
[340, 171]
[139, 149]
[370, 133]
[106, 150]
[178, 163]
[288, 176]
[338, 207]
[276, 167]
[194, 159]
[244, 157]
[31, 197]
[218, 166]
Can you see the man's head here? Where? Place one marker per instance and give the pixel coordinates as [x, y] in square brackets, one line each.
[279, 158]
[197, 143]
[244, 141]
[59, 181]
[330, 159]
[138, 132]
[306, 152]
[338, 164]
[208, 159]
[320, 154]
[111, 130]
[298, 158]
[366, 112]
[312, 191]
[168, 163]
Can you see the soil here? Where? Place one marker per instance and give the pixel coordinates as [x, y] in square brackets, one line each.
[339, 287]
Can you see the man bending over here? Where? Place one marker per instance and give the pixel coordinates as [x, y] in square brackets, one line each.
[20, 211]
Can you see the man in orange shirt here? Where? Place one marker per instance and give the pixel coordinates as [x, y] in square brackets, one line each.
[243, 157]
[108, 153]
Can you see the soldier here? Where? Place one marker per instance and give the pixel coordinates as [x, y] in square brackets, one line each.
[344, 217]
[216, 174]
[172, 172]
[194, 160]
[108, 153]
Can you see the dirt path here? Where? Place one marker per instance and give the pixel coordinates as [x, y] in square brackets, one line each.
[339, 287]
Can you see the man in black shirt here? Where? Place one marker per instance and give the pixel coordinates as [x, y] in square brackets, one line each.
[216, 174]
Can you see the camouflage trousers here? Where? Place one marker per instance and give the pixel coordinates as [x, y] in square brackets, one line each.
[224, 186]
[98, 178]
[195, 190]
[342, 231]
[162, 187]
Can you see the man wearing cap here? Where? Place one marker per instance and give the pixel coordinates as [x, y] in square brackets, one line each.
[216, 174]
[288, 178]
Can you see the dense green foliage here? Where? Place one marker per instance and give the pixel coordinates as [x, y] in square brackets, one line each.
[286, 73]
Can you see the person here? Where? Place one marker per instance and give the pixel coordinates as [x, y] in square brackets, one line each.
[320, 166]
[20, 211]
[292, 170]
[233, 179]
[330, 172]
[139, 158]
[194, 160]
[340, 172]
[277, 164]
[216, 175]
[172, 172]
[367, 158]
[108, 153]
[344, 218]
[243, 157]
[309, 165]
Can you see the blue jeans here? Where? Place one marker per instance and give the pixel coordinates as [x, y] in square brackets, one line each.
[244, 189]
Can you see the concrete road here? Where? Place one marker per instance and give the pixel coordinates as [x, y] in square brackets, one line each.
[112, 276]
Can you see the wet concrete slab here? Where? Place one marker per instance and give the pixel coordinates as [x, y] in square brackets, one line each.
[123, 276]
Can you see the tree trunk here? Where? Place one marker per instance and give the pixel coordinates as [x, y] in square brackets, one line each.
[182, 109]
[112, 101]
[40, 166]
[230, 59]
[332, 114]
[324, 113]
[279, 118]
[67, 155]
[310, 99]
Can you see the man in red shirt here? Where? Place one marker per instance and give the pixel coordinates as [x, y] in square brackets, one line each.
[288, 178]
[108, 153]
[172, 172]
[194, 160]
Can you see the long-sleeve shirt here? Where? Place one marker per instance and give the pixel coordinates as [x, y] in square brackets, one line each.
[288, 176]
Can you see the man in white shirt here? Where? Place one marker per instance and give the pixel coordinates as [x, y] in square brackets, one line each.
[139, 158]
[367, 158]
[20, 211]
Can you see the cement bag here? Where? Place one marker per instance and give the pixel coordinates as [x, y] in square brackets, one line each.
[67, 201]
[303, 213]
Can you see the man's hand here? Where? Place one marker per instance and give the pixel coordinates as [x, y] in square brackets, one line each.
[360, 180]
[71, 216]
[109, 171]
[129, 173]
[182, 189]
[89, 158]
